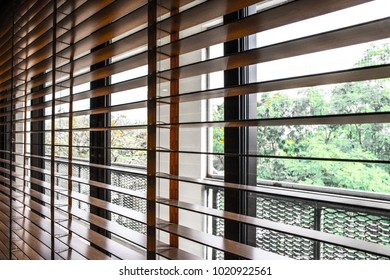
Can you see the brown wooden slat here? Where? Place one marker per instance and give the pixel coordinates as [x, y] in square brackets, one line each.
[27, 250]
[354, 75]
[33, 193]
[5, 61]
[111, 69]
[202, 13]
[19, 255]
[6, 85]
[71, 255]
[113, 227]
[4, 244]
[35, 218]
[44, 211]
[28, 55]
[2, 255]
[127, 127]
[36, 25]
[173, 253]
[321, 196]
[36, 249]
[164, 5]
[128, 43]
[4, 228]
[117, 108]
[5, 33]
[328, 238]
[361, 33]
[83, 249]
[114, 10]
[116, 249]
[30, 14]
[128, 22]
[279, 16]
[93, 17]
[225, 245]
[6, 43]
[47, 37]
[122, 86]
[129, 213]
[4, 237]
[4, 201]
[320, 120]
[104, 186]
[36, 232]
[282, 157]
[134, 171]
[38, 226]
[5, 221]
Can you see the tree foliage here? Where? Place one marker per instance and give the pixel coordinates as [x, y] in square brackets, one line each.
[348, 142]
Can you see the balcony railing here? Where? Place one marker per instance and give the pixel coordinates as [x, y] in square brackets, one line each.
[367, 220]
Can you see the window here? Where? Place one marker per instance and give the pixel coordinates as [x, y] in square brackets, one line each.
[195, 129]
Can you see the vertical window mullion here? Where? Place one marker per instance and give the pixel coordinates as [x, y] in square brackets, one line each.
[100, 143]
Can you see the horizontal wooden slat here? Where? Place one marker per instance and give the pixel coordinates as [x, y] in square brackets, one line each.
[2, 255]
[25, 15]
[320, 120]
[118, 168]
[116, 9]
[4, 214]
[37, 24]
[361, 33]
[129, 213]
[4, 228]
[17, 254]
[113, 227]
[348, 242]
[262, 21]
[202, 13]
[172, 253]
[82, 248]
[105, 34]
[219, 243]
[117, 108]
[32, 247]
[35, 218]
[109, 187]
[94, 17]
[116, 249]
[375, 161]
[111, 69]
[26, 201]
[127, 127]
[4, 197]
[164, 5]
[4, 245]
[4, 238]
[360, 74]
[33, 193]
[5, 221]
[347, 197]
[71, 255]
[40, 235]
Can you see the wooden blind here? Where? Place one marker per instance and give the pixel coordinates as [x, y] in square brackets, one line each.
[104, 126]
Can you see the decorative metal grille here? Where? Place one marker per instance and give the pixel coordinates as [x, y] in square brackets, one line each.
[134, 182]
[363, 225]
[287, 212]
[354, 224]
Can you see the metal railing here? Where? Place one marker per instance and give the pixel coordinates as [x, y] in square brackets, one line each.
[318, 212]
